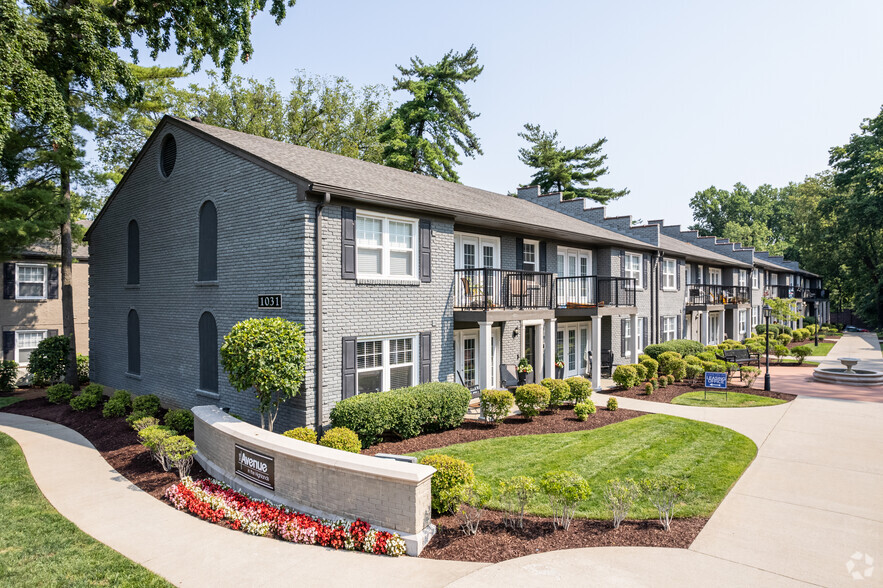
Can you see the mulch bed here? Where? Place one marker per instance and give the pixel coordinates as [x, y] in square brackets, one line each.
[114, 439]
[669, 393]
[495, 542]
[561, 420]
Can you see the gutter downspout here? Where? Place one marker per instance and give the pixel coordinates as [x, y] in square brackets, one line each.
[320, 417]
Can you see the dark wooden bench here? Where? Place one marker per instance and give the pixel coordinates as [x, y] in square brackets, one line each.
[740, 357]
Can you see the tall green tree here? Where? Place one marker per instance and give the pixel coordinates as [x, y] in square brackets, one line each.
[75, 44]
[424, 133]
[566, 170]
[856, 208]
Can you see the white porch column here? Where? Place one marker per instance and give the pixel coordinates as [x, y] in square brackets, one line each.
[549, 331]
[596, 353]
[800, 323]
[721, 324]
[703, 328]
[539, 354]
[485, 363]
[633, 327]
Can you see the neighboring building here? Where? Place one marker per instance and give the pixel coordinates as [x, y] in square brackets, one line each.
[30, 309]
[397, 278]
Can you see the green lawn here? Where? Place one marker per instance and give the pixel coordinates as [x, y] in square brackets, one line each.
[7, 400]
[712, 457]
[731, 400]
[39, 547]
[821, 349]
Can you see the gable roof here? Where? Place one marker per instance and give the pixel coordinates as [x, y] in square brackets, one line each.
[689, 250]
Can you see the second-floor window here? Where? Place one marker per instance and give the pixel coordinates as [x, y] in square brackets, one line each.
[30, 281]
[669, 274]
[385, 247]
[714, 276]
[632, 266]
[530, 256]
[743, 322]
[743, 278]
[755, 279]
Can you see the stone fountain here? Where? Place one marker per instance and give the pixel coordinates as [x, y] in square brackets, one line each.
[848, 375]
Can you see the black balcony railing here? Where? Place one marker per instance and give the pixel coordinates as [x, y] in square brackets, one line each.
[784, 291]
[815, 293]
[489, 288]
[591, 291]
[717, 294]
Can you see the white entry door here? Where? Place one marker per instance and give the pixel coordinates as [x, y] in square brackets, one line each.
[467, 360]
[575, 264]
[571, 344]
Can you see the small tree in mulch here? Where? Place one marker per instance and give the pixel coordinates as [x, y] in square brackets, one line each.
[665, 493]
[269, 356]
[565, 490]
[620, 496]
[515, 494]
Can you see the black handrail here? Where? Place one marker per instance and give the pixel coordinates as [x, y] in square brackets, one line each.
[717, 294]
[589, 291]
[492, 288]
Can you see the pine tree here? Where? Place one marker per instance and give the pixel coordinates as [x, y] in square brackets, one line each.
[568, 171]
[423, 134]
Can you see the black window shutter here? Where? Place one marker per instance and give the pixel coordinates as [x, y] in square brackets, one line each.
[644, 323]
[660, 273]
[679, 328]
[425, 357]
[207, 269]
[542, 256]
[519, 253]
[348, 245]
[9, 345]
[9, 281]
[52, 294]
[622, 348]
[133, 275]
[134, 343]
[621, 263]
[660, 337]
[645, 264]
[680, 271]
[208, 353]
[52, 333]
[348, 367]
[425, 250]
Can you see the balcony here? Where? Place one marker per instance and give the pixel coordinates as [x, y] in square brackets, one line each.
[715, 294]
[490, 289]
[785, 291]
[591, 292]
[815, 293]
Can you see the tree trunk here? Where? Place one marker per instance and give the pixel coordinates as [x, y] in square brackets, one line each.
[67, 289]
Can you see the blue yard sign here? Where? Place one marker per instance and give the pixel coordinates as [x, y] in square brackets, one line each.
[716, 380]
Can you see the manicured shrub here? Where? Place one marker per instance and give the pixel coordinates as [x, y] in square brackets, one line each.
[654, 382]
[620, 496]
[641, 371]
[612, 404]
[304, 434]
[648, 388]
[663, 381]
[748, 374]
[642, 357]
[407, 412]
[8, 376]
[774, 330]
[531, 399]
[680, 346]
[665, 493]
[141, 422]
[179, 452]
[473, 500]
[496, 404]
[784, 339]
[626, 376]
[48, 361]
[706, 356]
[118, 405]
[82, 368]
[651, 367]
[268, 357]
[582, 410]
[59, 393]
[89, 398]
[559, 391]
[136, 416]
[667, 362]
[784, 329]
[153, 437]
[451, 477]
[801, 352]
[580, 388]
[515, 494]
[780, 351]
[341, 438]
[179, 419]
[565, 491]
[147, 404]
[678, 370]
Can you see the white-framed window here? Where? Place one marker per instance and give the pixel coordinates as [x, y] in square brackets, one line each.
[529, 261]
[700, 274]
[669, 328]
[743, 278]
[743, 322]
[386, 246]
[755, 279]
[632, 263]
[25, 343]
[627, 336]
[755, 316]
[714, 276]
[476, 251]
[31, 281]
[669, 274]
[385, 363]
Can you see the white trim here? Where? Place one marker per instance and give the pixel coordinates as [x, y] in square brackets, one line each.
[480, 241]
[673, 274]
[715, 272]
[579, 351]
[627, 340]
[536, 255]
[665, 330]
[18, 347]
[755, 279]
[18, 281]
[639, 280]
[384, 369]
[496, 353]
[386, 248]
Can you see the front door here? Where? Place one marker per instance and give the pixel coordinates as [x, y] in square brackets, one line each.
[530, 346]
[571, 345]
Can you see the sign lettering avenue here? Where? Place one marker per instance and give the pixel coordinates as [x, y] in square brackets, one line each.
[255, 467]
[270, 301]
[716, 380]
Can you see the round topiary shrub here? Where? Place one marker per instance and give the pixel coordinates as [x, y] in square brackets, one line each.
[580, 388]
[341, 438]
[651, 367]
[667, 362]
[147, 404]
[626, 376]
[118, 405]
[531, 399]
[452, 476]
[304, 434]
[59, 393]
[89, 398]
[582, 410]
[641, 371]
[179, 419]
[559, 391]
[612, 403]
[648, 388]
[801, 352]
[496, 404]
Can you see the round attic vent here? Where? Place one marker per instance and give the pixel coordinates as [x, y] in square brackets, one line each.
[168, 153]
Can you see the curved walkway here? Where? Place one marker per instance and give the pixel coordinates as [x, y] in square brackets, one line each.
[810, 501]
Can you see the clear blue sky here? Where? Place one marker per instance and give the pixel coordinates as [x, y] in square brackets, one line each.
[688, 94]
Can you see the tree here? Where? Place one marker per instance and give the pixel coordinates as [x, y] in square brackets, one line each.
[268, 355]
[759, 219]
[783, 309]
[424, 133]
[569, 171]
[64, 57]
[855, 207]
